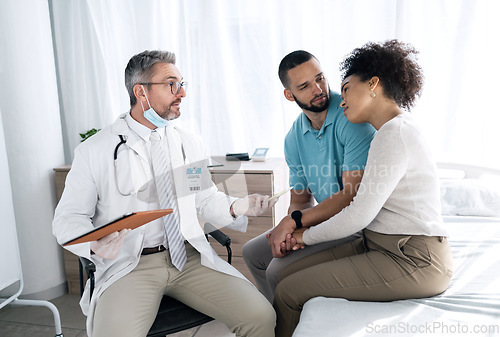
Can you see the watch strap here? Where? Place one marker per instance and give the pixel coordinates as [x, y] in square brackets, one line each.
[297, 217]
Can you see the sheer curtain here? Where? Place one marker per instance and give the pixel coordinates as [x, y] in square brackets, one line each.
[9, 260]
[229, 51]
[31, 144]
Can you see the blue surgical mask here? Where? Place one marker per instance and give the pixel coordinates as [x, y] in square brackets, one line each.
[152, 116]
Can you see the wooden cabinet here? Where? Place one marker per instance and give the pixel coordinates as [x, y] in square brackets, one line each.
[234, 178]
[70, 260]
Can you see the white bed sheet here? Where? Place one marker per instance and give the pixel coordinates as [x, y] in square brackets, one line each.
[469, 307]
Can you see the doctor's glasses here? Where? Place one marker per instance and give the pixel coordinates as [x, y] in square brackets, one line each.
[175, 86]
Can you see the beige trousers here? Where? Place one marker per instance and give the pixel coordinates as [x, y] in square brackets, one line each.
[129, 306]
[376, 267]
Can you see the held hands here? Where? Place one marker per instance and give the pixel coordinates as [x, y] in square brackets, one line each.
[280, 238]
[297, 236]
[109, 246]
[252, 205]
[284, 238]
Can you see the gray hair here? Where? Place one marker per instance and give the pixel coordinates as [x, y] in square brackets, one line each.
[140, 69]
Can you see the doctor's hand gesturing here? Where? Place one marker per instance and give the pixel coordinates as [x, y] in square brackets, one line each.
[252, 205]
[109, 246]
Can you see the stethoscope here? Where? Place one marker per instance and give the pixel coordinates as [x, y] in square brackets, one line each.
[122, 141]
[115, 157]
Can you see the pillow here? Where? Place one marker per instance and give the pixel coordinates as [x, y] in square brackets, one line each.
[469, 197]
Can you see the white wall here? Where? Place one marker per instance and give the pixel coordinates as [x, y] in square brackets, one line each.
[32, 129]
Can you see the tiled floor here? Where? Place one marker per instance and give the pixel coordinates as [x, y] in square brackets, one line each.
[30, 321]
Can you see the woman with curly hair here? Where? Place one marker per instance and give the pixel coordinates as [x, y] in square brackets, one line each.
[403, 252]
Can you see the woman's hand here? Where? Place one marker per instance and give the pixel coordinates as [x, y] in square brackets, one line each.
[297, 235]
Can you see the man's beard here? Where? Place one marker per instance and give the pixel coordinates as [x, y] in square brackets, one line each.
[314, 108]
[170, 114]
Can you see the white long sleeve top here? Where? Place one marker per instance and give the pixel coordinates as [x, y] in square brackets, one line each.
[399, 191]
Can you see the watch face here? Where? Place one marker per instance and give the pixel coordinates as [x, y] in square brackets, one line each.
[296, 215]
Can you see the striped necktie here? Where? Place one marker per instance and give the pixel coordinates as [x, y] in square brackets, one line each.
[167, 199]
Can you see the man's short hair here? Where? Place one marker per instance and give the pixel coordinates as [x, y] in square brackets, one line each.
[140, 69]
[291, 61]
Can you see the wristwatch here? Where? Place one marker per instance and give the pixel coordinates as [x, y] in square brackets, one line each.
[297, 216]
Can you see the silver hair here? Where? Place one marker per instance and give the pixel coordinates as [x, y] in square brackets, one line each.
[140, 69]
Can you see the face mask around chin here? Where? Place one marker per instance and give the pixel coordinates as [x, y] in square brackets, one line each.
[154, 118]
[151, 115]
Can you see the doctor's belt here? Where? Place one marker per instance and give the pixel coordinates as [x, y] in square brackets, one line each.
[157, 249]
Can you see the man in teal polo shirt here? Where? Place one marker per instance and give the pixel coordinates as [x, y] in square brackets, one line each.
[326, 155]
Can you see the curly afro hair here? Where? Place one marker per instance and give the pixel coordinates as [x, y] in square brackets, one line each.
[394, 63]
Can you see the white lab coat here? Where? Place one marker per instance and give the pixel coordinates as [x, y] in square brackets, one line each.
[91, 199]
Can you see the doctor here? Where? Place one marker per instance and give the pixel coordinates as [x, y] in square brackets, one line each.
[117, 171]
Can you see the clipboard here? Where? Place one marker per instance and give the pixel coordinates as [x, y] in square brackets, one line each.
[130, 220]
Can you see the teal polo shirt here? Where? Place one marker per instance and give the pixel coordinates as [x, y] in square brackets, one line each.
[317, 158]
